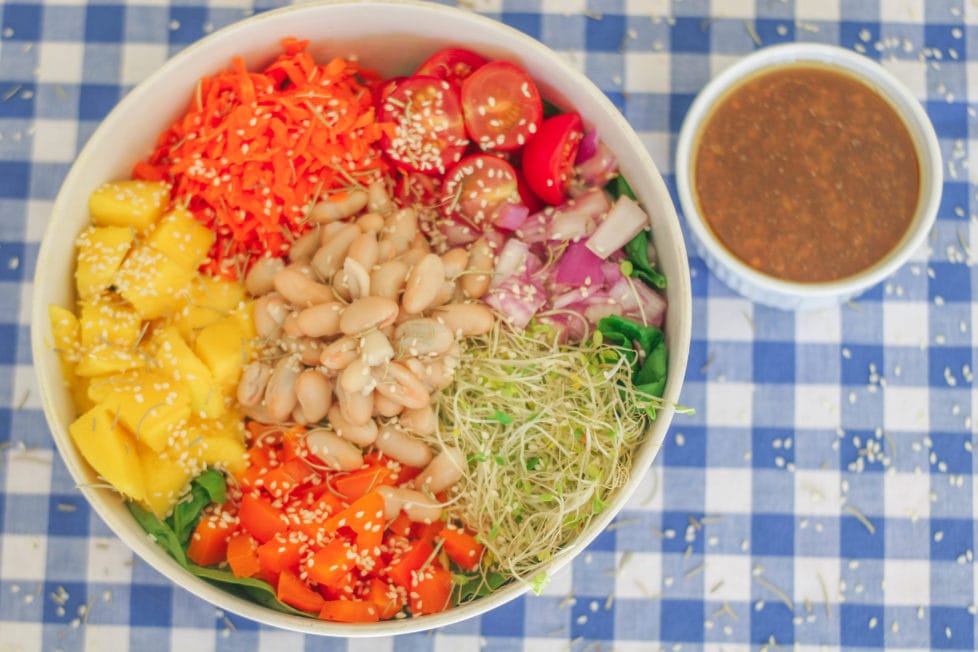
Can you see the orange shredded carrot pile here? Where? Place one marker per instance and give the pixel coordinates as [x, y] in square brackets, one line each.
[256, 149]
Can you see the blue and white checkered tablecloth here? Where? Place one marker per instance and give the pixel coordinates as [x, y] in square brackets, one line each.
[822, 496]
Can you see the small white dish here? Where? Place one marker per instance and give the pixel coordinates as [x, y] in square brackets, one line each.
[767, 289]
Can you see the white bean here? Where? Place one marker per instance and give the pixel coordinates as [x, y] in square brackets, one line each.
[388, 279]
[364, 250]
[305, 246]
[366, 313]
[371, 223]
[301, 290]
[320, 321]
[419, 507]
[442, 472]
[482, 260]
[394, 442]
[270, 313]
[401, 227]
[251, 386]
[385, 251]
[396, 382]
[356, 377]
[329, 258]
[464, 319]
[376, 349]
[420, 421]
[384, 407]
[309, 350]
[455, 261]
[339, 353]
[260, 279]
[314, 391]
[378, 200]
[333, 451]
[422, 284]
[291, 324]
[362, 435]
[434, 373]
[356, 408]
[280, 397]
[355, 278]
[422, 337]
[339, 207]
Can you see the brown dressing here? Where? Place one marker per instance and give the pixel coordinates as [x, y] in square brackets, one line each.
[806, 174]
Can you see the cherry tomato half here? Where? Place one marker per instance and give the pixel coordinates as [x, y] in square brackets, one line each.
[429, 135]
[477, 188]
[502, 106]
[451, 64]
[548, 159]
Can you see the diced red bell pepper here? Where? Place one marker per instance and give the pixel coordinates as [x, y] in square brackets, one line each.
[209, 541]
[431, 590]
[293, 591]
[461, 547]
[282, 552]
[402, 566]
[242, 554]
[331, 562]
[349, 611]
[260, 518]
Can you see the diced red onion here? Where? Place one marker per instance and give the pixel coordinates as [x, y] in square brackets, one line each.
[611, 271]
[511, 261]
[457, 233]
[625, 220]
[587, 148]
[516, 300]
[629, 295]
[511, 216]
[578, 217]
[579, 266]
[597, 169]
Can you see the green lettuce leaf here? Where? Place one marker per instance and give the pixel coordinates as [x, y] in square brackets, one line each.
[649, 370]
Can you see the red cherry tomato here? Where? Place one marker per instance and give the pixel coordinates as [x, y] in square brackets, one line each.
[548, 159]
[477, 188]
[429, 135]
[451, 64]
[529, 199]
[502, 106]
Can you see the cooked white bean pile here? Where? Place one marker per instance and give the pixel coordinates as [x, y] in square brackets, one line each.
[361, 325]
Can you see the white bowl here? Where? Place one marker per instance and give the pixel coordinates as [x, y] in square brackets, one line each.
[767, 289]
[392, 36]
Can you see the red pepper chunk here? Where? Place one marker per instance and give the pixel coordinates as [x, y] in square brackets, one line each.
[365, 516]
[461, 547]
[293, 591]
[349, 611]
[431, 590]
[260, 518]
[331, 562]
[282, 552]
[209, 541]
[242, 555]
[402, 567]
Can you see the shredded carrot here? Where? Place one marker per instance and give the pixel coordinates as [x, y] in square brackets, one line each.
[255, 150]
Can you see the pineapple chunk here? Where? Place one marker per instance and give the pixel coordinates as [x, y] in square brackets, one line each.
[152, 282]
[177, 360]
[100, 252]
[138, 204]
[151, 406]
[223, 346]
[207, 300]
[110, 450]
[181, 237]
[106, 319]
[107, 359]
[65, 330]
[166, 480]
[225, 452]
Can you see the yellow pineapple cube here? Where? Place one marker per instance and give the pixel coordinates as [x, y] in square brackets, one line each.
[175, 358]
[207, 300]
[181, 237]
[101, 249]
[138, 204]
[104, 359]
[151, 405]
[106, 319]
[166, 479]
[152, 282]
[109, 449]
[224, 346]
[66, 333]
[224, 452]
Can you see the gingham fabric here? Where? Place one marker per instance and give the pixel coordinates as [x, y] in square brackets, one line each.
[822, 496]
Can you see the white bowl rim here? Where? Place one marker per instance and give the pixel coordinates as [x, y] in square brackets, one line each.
[680, 314]
[869, 72]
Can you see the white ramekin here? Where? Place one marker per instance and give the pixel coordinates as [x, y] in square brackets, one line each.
[767, 289]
